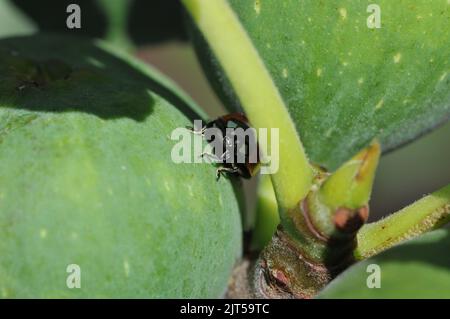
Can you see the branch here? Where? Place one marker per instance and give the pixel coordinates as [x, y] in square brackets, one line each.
[424, 215]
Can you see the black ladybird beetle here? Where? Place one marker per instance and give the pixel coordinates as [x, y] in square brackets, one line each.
[246, 168]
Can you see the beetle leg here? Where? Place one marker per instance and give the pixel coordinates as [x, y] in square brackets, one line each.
[220, 170]
[224, 155]
[194, 131]
[228, 141]
[211, 156]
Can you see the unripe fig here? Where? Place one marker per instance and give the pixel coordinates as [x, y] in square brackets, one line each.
[91, 204]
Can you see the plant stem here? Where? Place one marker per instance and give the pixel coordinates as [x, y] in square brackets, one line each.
[267, 218]
[318, 228]
[351, 185]
[258, 95]
[424, 215]
[328, 220]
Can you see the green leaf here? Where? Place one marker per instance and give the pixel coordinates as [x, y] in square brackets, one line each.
[343, 83]
[86, 178]
[13, 22]
[419, 268]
